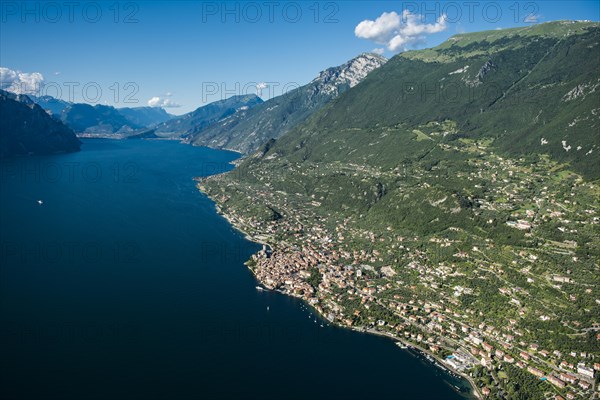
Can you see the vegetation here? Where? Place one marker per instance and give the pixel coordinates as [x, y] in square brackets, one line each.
[442, 218]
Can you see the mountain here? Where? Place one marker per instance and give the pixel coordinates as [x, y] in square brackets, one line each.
[247, 130]
[25, 129]
[450, 198]
[53, 105]
[191, 123]
[529, 90]
[98, 119]
[101, 119]
[145, 116]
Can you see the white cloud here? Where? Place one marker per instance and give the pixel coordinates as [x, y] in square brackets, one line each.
[533, 18]
[164, 103]
[399, 32]
[259, 88]
[379, 50]
[20, 82]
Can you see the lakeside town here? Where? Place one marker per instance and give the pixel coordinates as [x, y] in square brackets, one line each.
[459, 297]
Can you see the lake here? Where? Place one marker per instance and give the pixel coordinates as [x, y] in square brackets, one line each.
[118, 280]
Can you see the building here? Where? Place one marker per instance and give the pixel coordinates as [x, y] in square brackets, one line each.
[586, 371]
[556, 382]
[584, 385]
[568, 377]
[487, 347]
[486, 361]
[535, 371]
[509, 359]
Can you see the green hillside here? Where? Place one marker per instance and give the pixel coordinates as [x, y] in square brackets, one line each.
[189, 124]
[533, 88]
[452, 194]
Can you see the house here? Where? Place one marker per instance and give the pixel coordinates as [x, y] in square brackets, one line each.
[568, 377]
[535, 371]
[487, 347]
[475, 340]
[486, 361]
[509, 359]
[556, 382]
[584, 385]
[584, 370]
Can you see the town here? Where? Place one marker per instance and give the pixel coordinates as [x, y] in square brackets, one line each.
[461, 297]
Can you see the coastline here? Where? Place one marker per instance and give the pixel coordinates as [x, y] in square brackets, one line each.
[438, 362]
[231, 222]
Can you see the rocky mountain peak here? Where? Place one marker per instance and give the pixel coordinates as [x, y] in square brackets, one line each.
[348, 74]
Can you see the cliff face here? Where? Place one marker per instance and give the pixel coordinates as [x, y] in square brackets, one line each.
[26, 129]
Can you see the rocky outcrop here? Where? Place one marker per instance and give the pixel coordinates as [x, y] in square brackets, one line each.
[248, 130]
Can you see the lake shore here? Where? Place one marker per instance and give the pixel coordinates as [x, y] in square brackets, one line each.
[437, 361]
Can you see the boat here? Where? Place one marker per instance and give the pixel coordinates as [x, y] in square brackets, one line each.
[267, 308]
[40, 202]
[259, 288]
[401, 345]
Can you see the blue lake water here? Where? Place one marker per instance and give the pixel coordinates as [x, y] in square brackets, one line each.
[126, 284]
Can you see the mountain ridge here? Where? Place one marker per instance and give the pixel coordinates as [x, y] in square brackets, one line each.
[245, 132]
[101, 119]
[26, 129]
[188, 124]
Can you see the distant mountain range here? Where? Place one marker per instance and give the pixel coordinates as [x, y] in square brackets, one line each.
[245, 131]
[26, 129]
[191, 123]
[145, 116]
[241, 123]
[101, 119]
[98, 119]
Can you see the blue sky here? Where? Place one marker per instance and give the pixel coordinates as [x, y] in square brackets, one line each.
[185, 54]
